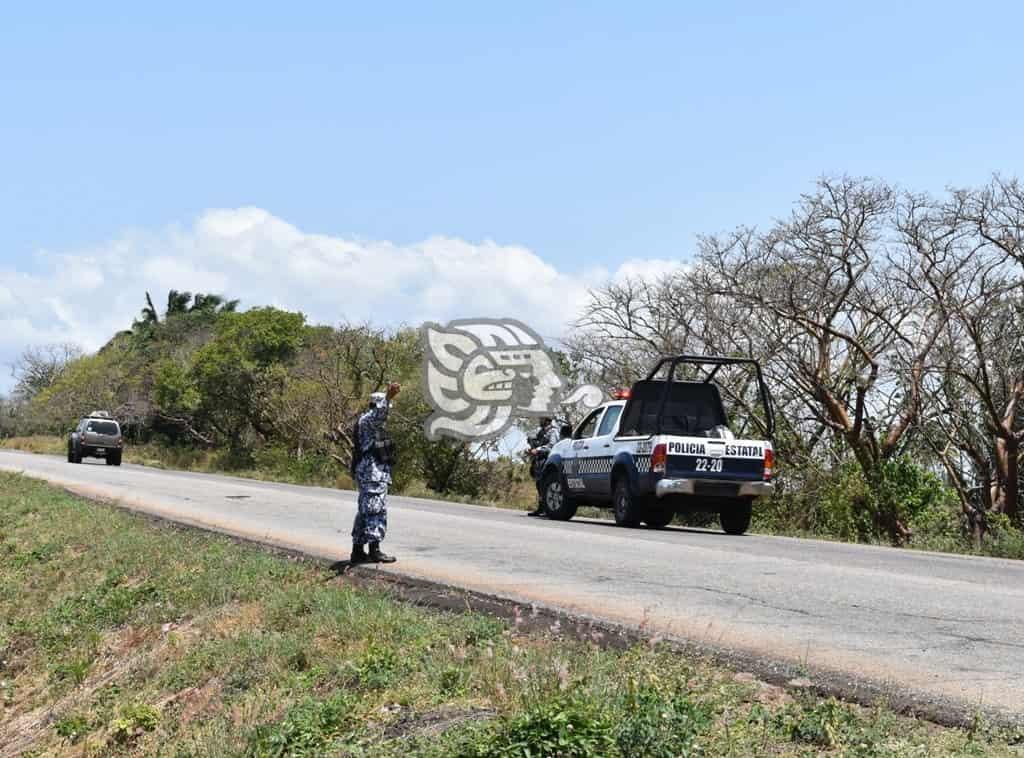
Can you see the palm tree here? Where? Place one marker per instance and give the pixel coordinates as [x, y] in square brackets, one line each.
[177, 303]
[212, 304]
[201, 302]
[148, 318]
[149, 314]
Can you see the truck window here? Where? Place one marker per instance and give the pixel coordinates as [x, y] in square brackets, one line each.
[103, 427]
[586, 429]
[608, 422]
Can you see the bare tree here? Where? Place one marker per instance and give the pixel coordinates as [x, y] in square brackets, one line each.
[627, 326]
[821, 299]
[855, 338]
[40, 366]
[976, 382]
[995, 213]
[329, 385]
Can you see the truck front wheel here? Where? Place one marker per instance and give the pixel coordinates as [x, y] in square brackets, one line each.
[627, 509]
[735, 518]
[558, 504]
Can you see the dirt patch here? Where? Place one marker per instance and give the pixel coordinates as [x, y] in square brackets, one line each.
[434, 723]
[196, 701]
[233, 618]
[765, 694]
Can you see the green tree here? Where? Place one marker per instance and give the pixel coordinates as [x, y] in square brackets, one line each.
[90, 383]
[240, 370]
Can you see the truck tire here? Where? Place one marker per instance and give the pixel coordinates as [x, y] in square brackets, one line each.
[659, 516]
[735, 519]
[558, 504]
[114, 459]
[628, 511]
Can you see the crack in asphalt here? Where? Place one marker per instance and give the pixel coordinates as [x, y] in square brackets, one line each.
[969, 638]
[927, 617]
[727, 593]
[757, 601]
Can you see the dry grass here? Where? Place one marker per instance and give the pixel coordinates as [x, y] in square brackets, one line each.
[40, 444]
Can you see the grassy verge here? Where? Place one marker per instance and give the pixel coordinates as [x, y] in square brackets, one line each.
[119, 636]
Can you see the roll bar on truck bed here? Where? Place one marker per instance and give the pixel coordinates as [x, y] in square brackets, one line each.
[717, 361]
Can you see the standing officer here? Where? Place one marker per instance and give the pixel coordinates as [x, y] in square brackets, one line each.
[545, 438]
[372, 458]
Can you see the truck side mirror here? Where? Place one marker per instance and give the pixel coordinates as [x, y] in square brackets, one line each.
[566, 431]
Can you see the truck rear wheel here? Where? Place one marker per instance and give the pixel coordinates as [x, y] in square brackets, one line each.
[735, 519]
[558, 504]
[627, 509]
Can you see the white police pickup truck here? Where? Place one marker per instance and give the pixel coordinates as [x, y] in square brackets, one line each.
[663, 448]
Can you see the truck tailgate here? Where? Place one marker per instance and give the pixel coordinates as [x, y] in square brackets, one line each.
[708, 459]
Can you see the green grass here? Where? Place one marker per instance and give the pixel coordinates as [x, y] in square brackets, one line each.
[122, 636]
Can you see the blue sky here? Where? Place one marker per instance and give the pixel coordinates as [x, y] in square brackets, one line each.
[588, 134]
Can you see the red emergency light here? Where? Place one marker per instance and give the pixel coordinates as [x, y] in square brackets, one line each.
[621, 394]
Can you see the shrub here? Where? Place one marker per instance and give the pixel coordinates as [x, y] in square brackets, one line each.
[563, 726]
[655, 724]
[309, 728]
[135, 719]
[1004, 539]
[72, 728]
[820, 724]
[378, 666]
[844, 504]
[909, 494]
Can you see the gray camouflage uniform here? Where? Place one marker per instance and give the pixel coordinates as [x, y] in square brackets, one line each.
[372, 477]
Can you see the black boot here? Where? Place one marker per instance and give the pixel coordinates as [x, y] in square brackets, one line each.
[539, 510]
[376, 556]
[358, 555]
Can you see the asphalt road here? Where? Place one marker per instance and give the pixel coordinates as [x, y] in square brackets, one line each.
[946, 629]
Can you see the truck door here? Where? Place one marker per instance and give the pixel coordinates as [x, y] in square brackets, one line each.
[578, 470]
[600, 452]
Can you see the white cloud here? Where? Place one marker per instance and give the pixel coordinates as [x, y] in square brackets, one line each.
[247, 253]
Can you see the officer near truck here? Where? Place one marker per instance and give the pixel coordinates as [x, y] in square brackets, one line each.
[545, 438]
